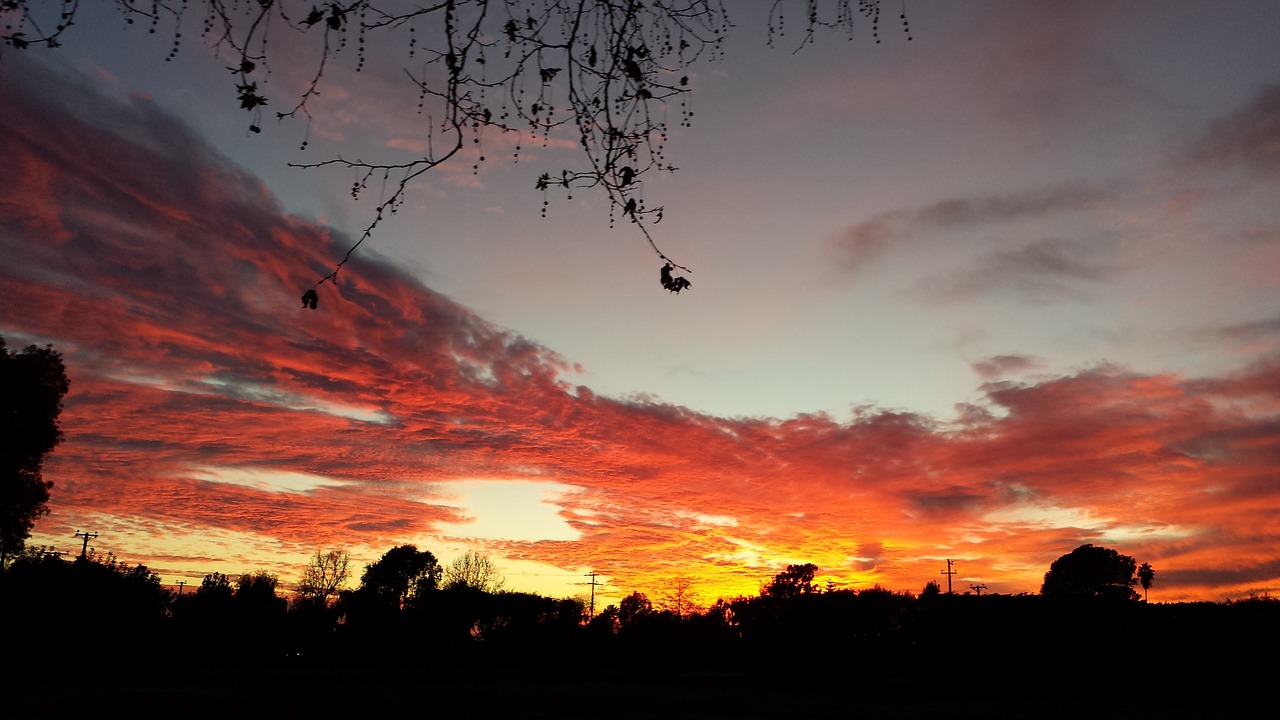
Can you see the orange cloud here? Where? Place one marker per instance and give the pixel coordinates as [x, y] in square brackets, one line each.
[204, 398]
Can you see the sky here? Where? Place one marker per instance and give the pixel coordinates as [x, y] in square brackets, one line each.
[987, 294]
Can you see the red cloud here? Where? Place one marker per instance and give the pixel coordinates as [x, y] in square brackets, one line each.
[172, 288]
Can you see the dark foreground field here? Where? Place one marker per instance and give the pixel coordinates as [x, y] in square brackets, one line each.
[871, 654]
[82, 686]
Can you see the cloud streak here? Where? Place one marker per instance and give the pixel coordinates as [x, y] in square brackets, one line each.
[863, 242]
[1248, 137]
[170, 282]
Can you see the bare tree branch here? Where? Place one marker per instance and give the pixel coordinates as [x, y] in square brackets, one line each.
[612, 75]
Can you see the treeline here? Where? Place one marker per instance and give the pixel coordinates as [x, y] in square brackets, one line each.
[405, 613]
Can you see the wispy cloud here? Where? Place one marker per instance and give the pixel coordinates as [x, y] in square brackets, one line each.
[1042, 271]
[1248, 137]
[863, 242]
[1001, 366]
[1256, 337]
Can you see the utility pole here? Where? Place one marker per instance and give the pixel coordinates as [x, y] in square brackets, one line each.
[978, 589]
[180, 584]
[593, 585]
[84, 548]
[948, 572]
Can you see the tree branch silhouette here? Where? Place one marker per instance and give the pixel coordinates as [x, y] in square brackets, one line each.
[608, 73]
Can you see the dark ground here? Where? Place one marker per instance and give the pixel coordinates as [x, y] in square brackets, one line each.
[81, 687]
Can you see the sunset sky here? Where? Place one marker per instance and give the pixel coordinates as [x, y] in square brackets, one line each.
[987, 294]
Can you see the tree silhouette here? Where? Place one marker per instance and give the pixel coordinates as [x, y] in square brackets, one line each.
[258, 613]
[1146, 575]
[401, 575]
[678, 597]
[91, 607]
[256, 596]
[1091, 571]
[474, 570]
[633, 609]
[795, 580]
[208, 613]
[324, 576]
[32, 385]
[213, 599]
[216, 585]
[111, 618]
[612, 76]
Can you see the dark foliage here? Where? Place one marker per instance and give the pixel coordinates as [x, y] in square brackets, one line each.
[1091, 571]
[402, 576]
[781, 653]
[795, 580]
[92, 607]
[324, 575]
[32, 385]
[1146, 576]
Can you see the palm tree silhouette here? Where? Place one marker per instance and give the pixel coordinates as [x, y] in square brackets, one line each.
[1145, 575]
